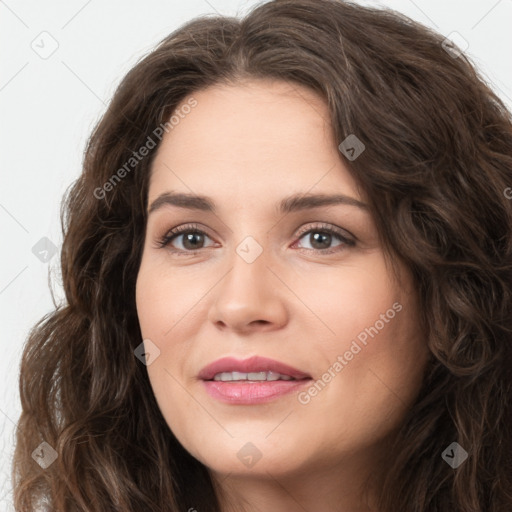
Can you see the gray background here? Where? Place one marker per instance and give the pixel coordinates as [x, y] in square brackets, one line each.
[50, 103]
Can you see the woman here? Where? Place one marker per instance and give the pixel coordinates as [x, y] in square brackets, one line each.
[287, 265]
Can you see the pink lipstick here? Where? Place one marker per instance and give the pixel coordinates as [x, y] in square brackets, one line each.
[251, 381]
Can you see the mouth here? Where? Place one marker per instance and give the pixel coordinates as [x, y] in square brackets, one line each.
[267, 376]
[254, 369]
[252, 381]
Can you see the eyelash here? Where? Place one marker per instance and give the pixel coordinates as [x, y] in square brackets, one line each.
[194, 228]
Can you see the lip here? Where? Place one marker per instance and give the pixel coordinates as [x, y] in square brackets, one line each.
[252, 364]
[252, 393]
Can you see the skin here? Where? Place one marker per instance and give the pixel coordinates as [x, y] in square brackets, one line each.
[247, 146]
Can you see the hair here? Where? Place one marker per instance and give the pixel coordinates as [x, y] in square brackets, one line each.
[436, 165]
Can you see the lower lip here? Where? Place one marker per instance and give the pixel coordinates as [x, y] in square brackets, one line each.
[249, 393]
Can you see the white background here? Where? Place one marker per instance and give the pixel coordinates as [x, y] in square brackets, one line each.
[49, 107]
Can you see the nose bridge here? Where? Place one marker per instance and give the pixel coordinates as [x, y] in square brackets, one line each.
[251, 250]
[249, 266]
[249, 234]
[248, 293]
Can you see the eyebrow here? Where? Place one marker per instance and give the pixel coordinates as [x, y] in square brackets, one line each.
[289, 204]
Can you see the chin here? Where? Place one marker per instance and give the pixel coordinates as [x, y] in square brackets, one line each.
[257, 457]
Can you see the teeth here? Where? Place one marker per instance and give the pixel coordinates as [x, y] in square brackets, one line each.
[252, 376]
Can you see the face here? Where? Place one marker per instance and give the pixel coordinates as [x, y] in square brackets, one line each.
[251, 274]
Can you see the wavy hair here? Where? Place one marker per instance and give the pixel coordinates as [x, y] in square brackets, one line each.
[437, 170]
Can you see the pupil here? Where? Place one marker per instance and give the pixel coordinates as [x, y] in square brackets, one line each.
[189, 237]
[326, 237]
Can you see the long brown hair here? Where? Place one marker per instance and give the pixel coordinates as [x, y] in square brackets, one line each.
[436, 168]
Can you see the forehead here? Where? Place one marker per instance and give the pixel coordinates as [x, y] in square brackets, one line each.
[263, 135]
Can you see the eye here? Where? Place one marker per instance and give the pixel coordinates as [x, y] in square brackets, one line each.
[321, 237]
[192, 239]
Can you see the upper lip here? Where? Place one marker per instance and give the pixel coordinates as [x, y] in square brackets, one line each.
[251, 365]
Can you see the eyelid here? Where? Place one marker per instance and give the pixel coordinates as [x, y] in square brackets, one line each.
[321, 226]
[172, 233]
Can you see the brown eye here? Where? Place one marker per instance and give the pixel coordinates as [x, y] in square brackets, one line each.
[190, 239]
[321, 239]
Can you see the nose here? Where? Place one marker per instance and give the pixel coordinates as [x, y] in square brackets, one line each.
[250, 296]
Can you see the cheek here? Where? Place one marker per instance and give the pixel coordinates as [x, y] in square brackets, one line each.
[161, 304]
[168, 305]
[165, 298]
[370, 366]
[347, 300]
